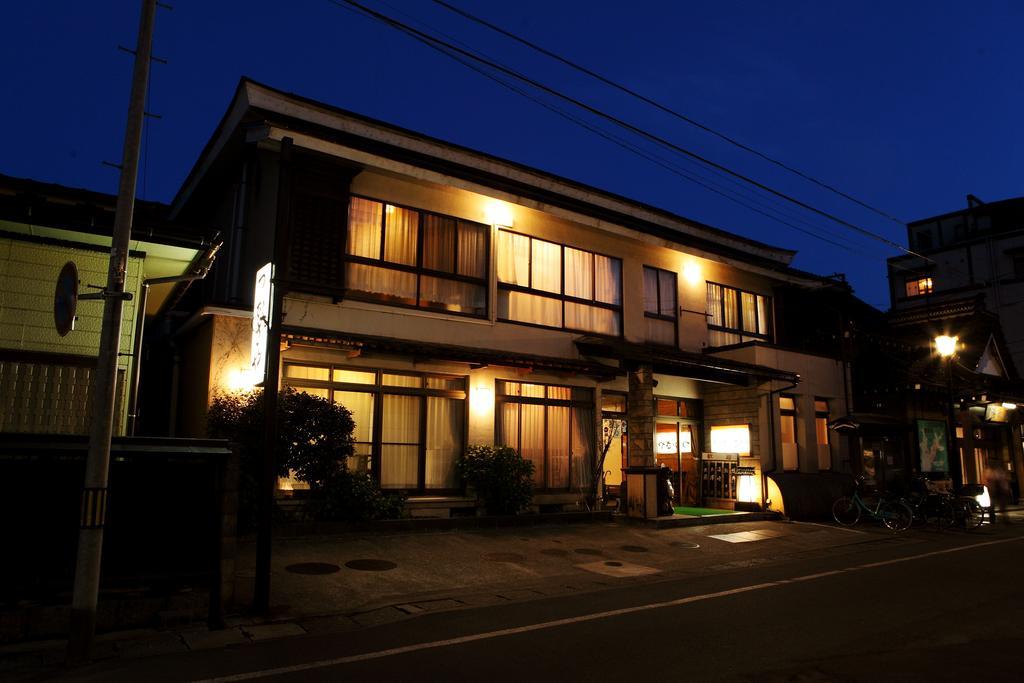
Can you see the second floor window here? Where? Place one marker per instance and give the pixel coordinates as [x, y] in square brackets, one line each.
[415, 258]
[736, 316]
[548, 284]
[919, 286]
[660, 310]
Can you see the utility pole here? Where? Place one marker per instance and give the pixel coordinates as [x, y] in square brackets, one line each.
[94, 494]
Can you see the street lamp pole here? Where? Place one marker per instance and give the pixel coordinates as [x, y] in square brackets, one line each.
[946, 346]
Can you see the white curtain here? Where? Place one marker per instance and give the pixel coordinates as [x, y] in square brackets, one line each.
[763, 314]
[583, 450]
[444, 441]
[452, 295]
[714, 304]
[558, 447]
[513, 258]
[360, 404]
[529, 308]
[731, 312]
[364, 219]
[661, 332]
[531, 438]
[608, 274]
[591, 318]
[472, 250]
[545, 266]
[438, 243]
[749, 312]
[400, 232]
[376, 280]
[650, 290]
[667, 288]
[579, 273]
[400, 432]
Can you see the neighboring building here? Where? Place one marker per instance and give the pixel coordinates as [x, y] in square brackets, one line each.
[965, 281]
[975, 251]
[448, 297]
[45, 377]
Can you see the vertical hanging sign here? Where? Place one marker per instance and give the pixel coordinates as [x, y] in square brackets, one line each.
[262, 303]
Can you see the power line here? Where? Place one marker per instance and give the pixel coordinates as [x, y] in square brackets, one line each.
[424, 37]
[668, 110]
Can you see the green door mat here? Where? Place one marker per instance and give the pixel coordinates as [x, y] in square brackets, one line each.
[701, 512]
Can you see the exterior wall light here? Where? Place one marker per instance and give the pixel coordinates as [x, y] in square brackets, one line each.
[1009, 406]
[946, 345]
[691, 272]
[499, 213]
[241, 380]
[481, 400]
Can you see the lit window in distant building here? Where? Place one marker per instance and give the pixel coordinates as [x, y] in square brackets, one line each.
[736, 316]
[821, 431]
[787, 432]
[919, 286]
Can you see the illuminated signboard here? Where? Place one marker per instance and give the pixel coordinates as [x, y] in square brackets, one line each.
[995, 412]
[261, 312]
[730, 439]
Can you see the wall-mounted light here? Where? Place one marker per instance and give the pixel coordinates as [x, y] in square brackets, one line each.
[691, 272]
[241, 380]
[499, 213]
[481, 399]
[1009, 406]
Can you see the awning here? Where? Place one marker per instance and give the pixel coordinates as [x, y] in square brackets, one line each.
[669, 361]
[475, 356]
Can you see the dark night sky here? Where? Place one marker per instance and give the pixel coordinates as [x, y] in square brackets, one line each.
[906, 105]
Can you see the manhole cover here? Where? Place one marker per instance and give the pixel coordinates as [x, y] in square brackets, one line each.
[612, 563]
[684, 544]
[634, 548]
[554, 552]
[589, 551]
[312, 568]
[370, 565]
[504, 557]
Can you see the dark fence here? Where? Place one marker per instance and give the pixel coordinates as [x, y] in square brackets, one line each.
[170, 518]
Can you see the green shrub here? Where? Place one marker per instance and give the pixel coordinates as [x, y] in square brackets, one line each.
[314, 440]
[501, 477]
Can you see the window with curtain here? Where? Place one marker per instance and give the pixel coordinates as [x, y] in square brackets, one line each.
[552, 427]
[416, 258]
[660, 309]
[543, 283]
[409, 427]
[736, 316]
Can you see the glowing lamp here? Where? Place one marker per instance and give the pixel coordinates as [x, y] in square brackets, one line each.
[691, 272]
[498, 213]
[1009, 406]
[747, 494]
[946, 345]
[983, 498]
[481, 399]
[241, 380]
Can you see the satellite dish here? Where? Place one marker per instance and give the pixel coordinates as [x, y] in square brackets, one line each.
[65, 299]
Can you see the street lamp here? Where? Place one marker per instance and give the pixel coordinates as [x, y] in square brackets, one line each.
[946, 345]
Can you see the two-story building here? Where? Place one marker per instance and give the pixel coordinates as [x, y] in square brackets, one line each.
[447, 297]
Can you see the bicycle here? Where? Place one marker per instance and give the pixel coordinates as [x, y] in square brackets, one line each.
[894, 514]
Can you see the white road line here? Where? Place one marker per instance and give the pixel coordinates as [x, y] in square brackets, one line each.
[380, 654]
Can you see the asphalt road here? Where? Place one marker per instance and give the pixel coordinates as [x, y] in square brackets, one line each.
[915, 607]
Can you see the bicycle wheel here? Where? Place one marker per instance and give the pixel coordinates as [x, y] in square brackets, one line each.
[974, 516]
[896, 515]
[846, 511]
[946, 514]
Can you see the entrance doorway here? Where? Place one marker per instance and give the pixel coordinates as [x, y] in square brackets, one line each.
[676, 436]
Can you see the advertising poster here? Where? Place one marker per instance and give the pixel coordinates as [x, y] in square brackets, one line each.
[931, 439]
